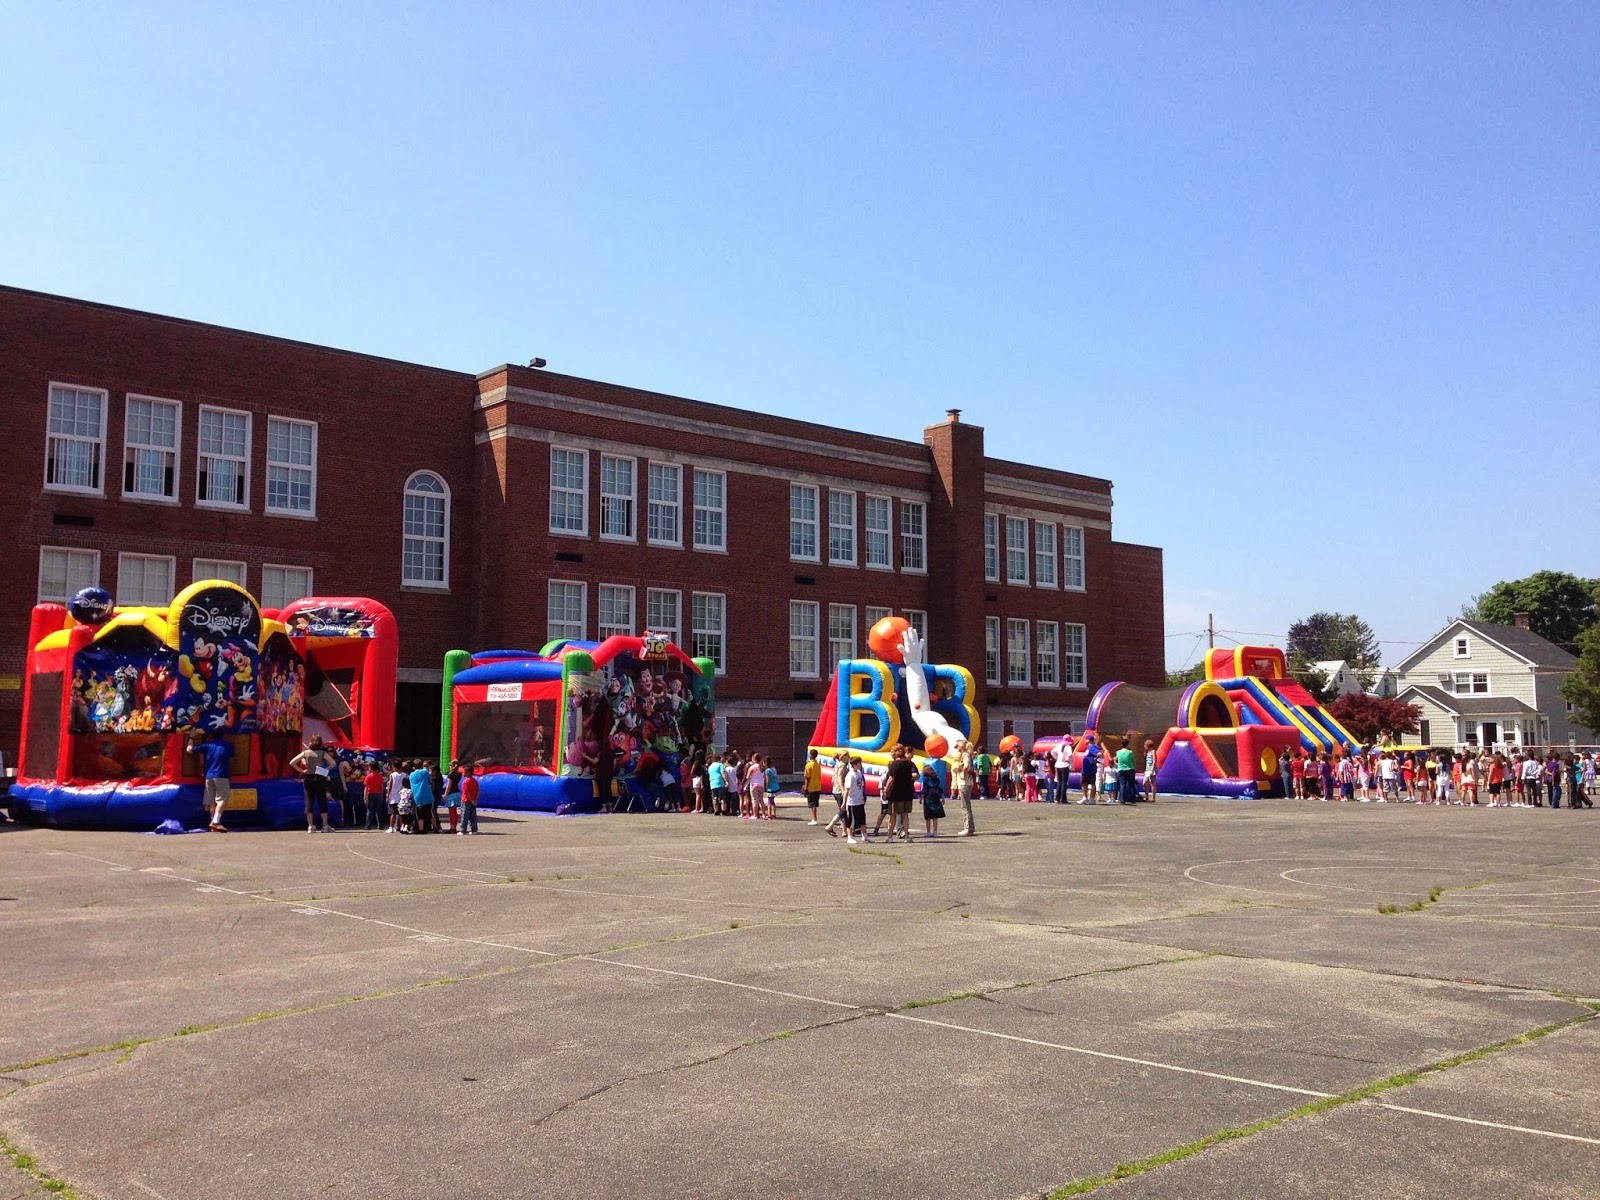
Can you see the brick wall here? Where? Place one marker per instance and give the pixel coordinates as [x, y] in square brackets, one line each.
[1140, 615]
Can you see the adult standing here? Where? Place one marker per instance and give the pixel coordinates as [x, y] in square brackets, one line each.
[1063, 764]
[316, 764]
[1285, 772]
[1091, 761]
[965, 777]
[423, 797]
[216, 755]
[1127, 789]
[900, 789]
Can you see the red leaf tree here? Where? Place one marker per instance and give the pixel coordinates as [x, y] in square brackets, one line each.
[1368, 718]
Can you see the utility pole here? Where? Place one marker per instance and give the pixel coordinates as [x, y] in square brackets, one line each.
[1211, 632]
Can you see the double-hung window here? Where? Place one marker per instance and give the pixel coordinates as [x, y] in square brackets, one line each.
[150, 448]
[710, 510]
[229, 569]
[842, 528]
[1017, 550]
[663, 613]
[991, 650]
[425, 550]
[913, 536]
[665, 516]
[284, 585]
[75, 446]
[223, 474]
[569, 491]
[803, 522]
[1046, 656]
[873, 614]
[64, 572]
[917, 618]
[616, 611]
[803, 638]
[991, 547]
[1074, 660]
[617, 490]
[708, 636]
[291, 467]
[1016, 651]
[841, 633]
[878, 518]
[145, 579]
[1072, 557]
[1044, 554]
[564, 612]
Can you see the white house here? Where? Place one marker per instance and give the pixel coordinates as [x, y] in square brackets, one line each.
[1341, 676]
[1490, 685]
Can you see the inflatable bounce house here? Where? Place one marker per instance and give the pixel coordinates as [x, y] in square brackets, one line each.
[874, 703]
[113, 697]
[578, 725]
[1222, 736]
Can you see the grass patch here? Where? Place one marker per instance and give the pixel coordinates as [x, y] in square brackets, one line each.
[29, 1166]
[894, 858]
[950, 999]
[1434, 896]
[1128, 1170]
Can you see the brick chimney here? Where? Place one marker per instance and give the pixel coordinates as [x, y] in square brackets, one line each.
[1522, 620]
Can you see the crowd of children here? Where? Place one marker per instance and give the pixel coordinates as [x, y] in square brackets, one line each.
[1490, 778]
[407, 796]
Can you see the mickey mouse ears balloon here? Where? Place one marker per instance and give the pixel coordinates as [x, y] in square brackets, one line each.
[90, 606]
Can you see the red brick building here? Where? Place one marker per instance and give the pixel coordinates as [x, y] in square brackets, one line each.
[519, 505]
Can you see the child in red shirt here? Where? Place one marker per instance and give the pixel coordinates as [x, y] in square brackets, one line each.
[373, 785]
[469, 801]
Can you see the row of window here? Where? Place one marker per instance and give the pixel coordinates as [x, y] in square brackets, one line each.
[152, 440]
[1048, 568]
[567, 608]
[1466, 683]
[1057, 653]
[620, 508]
[805, 634]
[151, 579]
[874, 548]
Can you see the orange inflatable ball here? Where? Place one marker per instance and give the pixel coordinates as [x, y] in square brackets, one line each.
[935, 746]
[883, 639]
[1009, 743]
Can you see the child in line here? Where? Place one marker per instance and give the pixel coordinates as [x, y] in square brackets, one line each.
[399, 782]
[769, 776]
[373, 785]
[856, 797]
[469, 801]
[933, 799]
[406, 809]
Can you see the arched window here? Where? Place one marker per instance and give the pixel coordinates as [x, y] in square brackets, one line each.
[426, 558]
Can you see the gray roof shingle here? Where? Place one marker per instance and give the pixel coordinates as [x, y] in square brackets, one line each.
[1540, 651]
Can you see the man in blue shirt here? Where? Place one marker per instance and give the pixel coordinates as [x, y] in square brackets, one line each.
[1089, 768]
[216, 757]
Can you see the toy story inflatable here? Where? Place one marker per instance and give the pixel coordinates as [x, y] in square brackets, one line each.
[115, 696]
[577, 726]
[894, 697]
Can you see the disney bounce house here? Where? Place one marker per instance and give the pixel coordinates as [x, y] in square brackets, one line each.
[576, 725]
[1222, 736]
[896, 697]
[113, 695]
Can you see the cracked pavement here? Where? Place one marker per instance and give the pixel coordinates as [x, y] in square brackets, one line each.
[704, 1007]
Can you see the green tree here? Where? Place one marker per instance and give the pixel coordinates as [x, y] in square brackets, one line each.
[1324, 637]
[1560, 605]
[1582, 687]
[1183, 678]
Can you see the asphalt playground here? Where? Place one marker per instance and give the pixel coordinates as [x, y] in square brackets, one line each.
[1186, 999]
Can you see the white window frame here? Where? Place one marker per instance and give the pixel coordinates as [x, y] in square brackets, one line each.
[566, 489]
[1046, 567]
[877, 539]
[804, 650]
[1046, 654]
[991, 547]
[282, 585]
[841, 534]
[1463, 648]
[841, 645]
[1070, 560]
[871, 614]
[917, 618]
[212, 568]
[1017, 572]
[72, 554]
[615, 592]
[173, 453]
[98, 442]
[609, 499]
[719, 510]
[913, 542]
[991, 651]
[653, 614]
[1079, 656]
[801, 527]
[550, 623]
[664, 505]
[126, 560]
[707, 629]
[443, 583]
[201, 458]
[1465, 683]
[1019, 652]
[291, 470]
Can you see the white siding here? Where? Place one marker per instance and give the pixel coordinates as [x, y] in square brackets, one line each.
[1508, 675]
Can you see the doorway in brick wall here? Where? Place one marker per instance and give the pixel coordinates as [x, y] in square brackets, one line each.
[416, 719]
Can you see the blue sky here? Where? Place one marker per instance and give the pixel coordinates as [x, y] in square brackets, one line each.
[1318, 286]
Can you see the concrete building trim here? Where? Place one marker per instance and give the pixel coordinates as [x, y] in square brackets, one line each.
[1030, 489]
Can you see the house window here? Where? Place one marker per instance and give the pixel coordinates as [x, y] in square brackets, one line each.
[991, 650]
[1045, 655]
[991, 547]
[918, 619]
[564, 611]
[74, 447]
[913, 536]
[872, 614]
[803, 638]
[425, 546]
[1075, 656]
[616, 497]
[880, 536]
[282, 585]
[150, 449]
[710, 510]
[145, 579]
[663, 613]
[664, 519]
[1463, 648]
[1470, 732]
[803, 522]
[616, 611]
[841, 633]
[1424, 734]
[1016, 651]
[1017, 550]
[1072, 557]
[709, 613]
[1044, 553]
[219, 568]
[1471, 683]
[63, 573]
[224, 459]
[569, 491]
[842, 528]
[291, 467]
